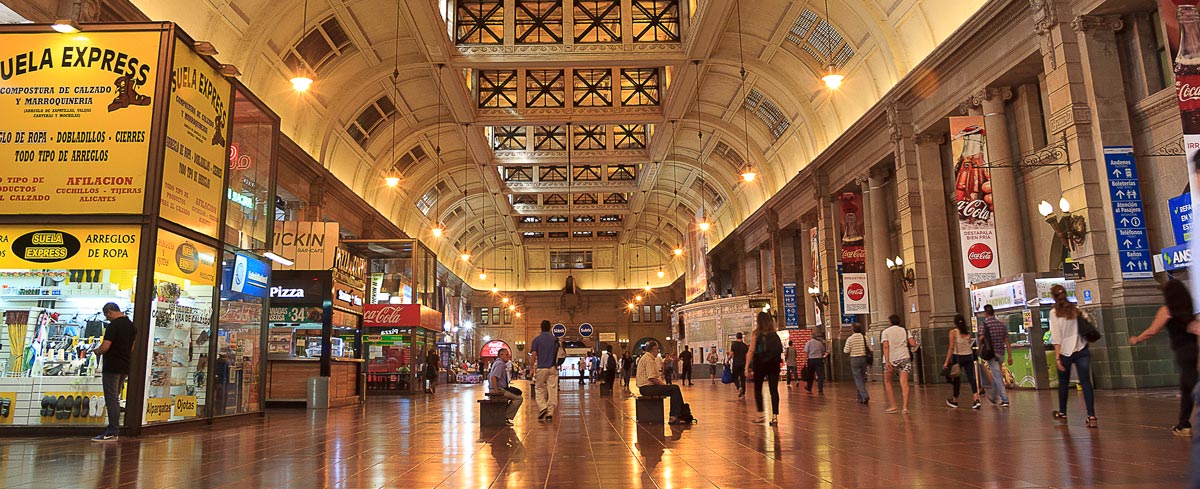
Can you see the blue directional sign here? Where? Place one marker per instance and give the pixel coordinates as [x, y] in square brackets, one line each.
[1181, 217]
[1176, 257]
[1133, 246]
[559, 330]
[791, 308]
[585, 330]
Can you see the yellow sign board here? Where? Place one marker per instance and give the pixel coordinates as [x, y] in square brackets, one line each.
[196, 152]
[185, 406]
[183, 258]
[108, 247]
[158, 409]
[75, 119]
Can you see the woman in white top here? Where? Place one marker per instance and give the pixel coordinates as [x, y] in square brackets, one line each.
[1070, 349]
[857, 347]
[960, 354]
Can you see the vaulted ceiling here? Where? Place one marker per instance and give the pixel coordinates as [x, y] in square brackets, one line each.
[535, 127]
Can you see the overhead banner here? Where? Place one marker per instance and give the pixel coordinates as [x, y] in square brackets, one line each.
[75, 119]
[186, 259]
[973, 200]
[854, 256]
[697, 260]
[79, 247]
[311, 245]
[197, 149]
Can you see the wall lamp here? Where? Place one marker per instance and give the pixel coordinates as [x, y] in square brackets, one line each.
[906, 276]
[820, 299]
[520, 345]
[1070, 229]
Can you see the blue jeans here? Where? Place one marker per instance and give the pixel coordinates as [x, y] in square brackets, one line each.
[997, 368]
[858, 367]
[112, 400]
[1082, 360]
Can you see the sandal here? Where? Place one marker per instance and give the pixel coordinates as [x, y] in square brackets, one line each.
[774, 420]
[1091, 422]
[1059, 415]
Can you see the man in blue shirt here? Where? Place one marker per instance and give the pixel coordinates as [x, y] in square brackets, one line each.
[545, 358]
[498, 380]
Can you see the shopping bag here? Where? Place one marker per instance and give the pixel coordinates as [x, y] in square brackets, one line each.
[727, 376]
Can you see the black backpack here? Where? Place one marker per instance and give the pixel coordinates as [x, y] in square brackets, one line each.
[768, 349]
[685, 414]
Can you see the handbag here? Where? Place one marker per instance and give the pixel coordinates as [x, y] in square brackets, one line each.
[870, 354]
[806, 373]
[1086, 329]
[951, 372]
[727, 375]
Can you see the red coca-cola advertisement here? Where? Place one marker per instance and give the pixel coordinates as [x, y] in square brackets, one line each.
[973, 199]
[401, 315]
[1185, 18]
[854, 254]
[492, 349]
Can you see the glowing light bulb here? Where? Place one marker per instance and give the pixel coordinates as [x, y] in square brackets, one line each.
[495, 290]
[631, 306]
[704, 225]
[832, 78]
[1063, 205]
[661, 274]
[749, 175]
[1045, 209]
[465, 256]
[646, 288]
[677, 251]
[301, 84]
[437, 231]
[392, 181]
[518, 313]
[504, 300]
[638, 297]
[482, 275]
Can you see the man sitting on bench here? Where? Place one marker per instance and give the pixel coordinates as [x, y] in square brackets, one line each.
[650, 381]
[498, 380]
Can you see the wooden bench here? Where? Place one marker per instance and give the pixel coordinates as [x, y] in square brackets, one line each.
[649, 409]
[492, 410]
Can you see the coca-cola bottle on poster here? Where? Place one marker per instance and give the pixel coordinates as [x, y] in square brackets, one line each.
[1187, 68]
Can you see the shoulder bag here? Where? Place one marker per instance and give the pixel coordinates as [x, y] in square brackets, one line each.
[1086, 329]
[986, 350]
[870, 354]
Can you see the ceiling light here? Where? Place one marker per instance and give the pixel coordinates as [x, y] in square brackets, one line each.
[482, 275]
[66, 26]
[518, 313]
[504, 300]
[661, 274]
[464, 256]
[646, 288]
[677, 251]
[278, 259]
[631, 306]
[437, 230]
[512, 307]
[832, 78]
[301, 83]
[638, 297]
[704, 225]
[495, 290]
[392, 181]
[749, 175]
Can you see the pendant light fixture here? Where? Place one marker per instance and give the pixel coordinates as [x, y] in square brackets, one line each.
[392, 179]
[438, 230]
[833, 79]
[748, 173]
[678, 251]
[704, 225]
[302, 79]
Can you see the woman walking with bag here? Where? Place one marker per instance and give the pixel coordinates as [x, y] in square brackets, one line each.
[1176, 315]
[1070, 349]
[861, 358]
[767, 352]
[960, 357]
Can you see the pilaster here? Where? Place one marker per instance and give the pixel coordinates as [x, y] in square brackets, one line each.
[1007, 216]
[879, 247]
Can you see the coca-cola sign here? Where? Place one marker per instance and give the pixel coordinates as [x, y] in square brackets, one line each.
[1187, 93]
[387, 315]
[974, 210]
[854, 253]
[855, 291]
[980, 255]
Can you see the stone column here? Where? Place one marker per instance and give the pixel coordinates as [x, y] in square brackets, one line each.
[879, 248]
[1007, 216]
[925, 164]
[753, 270]
[766, 266]
[804, 267]
[739, 269]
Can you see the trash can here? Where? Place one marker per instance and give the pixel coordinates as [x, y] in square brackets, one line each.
[318, 393]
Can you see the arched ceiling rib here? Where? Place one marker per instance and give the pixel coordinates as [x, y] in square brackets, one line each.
[887, 38]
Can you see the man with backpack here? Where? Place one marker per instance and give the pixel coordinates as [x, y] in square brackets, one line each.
[650, 383]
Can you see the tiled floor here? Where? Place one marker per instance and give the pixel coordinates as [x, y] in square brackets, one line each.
[594, 442]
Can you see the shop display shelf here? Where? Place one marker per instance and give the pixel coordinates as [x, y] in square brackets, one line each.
[31, 298]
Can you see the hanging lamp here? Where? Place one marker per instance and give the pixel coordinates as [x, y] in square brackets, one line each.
[748, 173]
[438, 230]
[302, 79]
[833, 78]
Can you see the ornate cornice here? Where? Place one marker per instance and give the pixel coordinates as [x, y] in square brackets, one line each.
[1044, 16]
[1000, 94]
[938, 138]
[1084, 23]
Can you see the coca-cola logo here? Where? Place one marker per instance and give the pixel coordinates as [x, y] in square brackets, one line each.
[1186, 92]
[976, 210]
[980, 255]
[856, 292]
[385, 315]
[854, 253]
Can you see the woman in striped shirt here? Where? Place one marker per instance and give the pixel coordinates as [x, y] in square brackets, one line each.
[857, 347]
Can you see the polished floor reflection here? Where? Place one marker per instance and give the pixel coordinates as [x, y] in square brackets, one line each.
[821, 441]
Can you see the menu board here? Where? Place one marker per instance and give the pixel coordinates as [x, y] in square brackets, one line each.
[196, 149]
[75, 119]
[183, 258]
[33, 246]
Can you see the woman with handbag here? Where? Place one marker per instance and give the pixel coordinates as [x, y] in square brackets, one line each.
[960, 362]
[767, 351]
[1070, 349]
[1176, 315]
[861, 357]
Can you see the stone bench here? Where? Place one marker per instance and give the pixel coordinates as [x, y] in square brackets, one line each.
[649, 409]
[491, 410]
